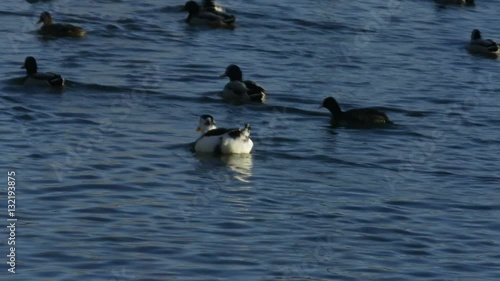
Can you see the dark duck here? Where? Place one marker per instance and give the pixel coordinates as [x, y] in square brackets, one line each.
[49, 28]
[355, 117]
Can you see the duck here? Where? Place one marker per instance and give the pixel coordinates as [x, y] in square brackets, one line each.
[457, 2]
[220, 140]
[33, 77]
[50, 28]
[354, 117]
[239, 89]
[481, 46]
[198, 16]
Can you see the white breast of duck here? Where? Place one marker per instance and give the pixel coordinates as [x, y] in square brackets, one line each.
[221, 140]
[239, 89]
[236, 90]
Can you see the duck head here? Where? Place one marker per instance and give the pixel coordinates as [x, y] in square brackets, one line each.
[45, 18]
[233, 72]
[192, 7]
[30, 65]
[332, 105]
[476, 34]
[206, 123]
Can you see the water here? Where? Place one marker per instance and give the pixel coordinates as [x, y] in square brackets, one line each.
[107, 188]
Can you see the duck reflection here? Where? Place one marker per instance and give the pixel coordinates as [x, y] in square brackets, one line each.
[240, 165]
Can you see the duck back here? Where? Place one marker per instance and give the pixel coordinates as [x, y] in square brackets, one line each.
[44, 79]
[367, 116]
[62, 30]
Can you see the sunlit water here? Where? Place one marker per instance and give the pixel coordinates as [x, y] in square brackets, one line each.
[107, 188]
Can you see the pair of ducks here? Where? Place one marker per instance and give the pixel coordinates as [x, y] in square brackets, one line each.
[209, 13]
[236, 89]
[49, 28]
[237, 140]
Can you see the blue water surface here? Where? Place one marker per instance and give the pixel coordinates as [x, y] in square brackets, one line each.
[108, 189]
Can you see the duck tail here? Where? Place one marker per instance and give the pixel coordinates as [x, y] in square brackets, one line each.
[493, 47]
[57, 81]
[259, 97]
[229, 19]
[246, 130]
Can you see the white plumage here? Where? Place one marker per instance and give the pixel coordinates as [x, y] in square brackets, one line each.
[220, 140]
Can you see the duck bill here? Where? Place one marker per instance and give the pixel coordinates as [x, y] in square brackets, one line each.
[198, 129]
[223, 75]
[39, 21]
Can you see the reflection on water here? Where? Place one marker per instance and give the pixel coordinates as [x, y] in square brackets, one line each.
[240, 165]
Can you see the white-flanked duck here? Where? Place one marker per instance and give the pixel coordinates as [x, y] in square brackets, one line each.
[239, 89]
[49, 28]
[220, 140]
[456, 2]
[355, 117]
[486, 47]
[33, 77]
[198, 16]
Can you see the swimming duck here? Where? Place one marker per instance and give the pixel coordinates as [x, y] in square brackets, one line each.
[354, 117]
[457, 2]
[33, 77]
[481, 46]
[222, 141]
[58, 29]
[237, 89]
[197, 16]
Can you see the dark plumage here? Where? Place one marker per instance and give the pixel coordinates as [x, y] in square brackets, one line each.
[33, 77]
[354, 117]
[57, 29]
[476, 39]
[240, 89]
[209, 17]
[218, 132]
[456, 2]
